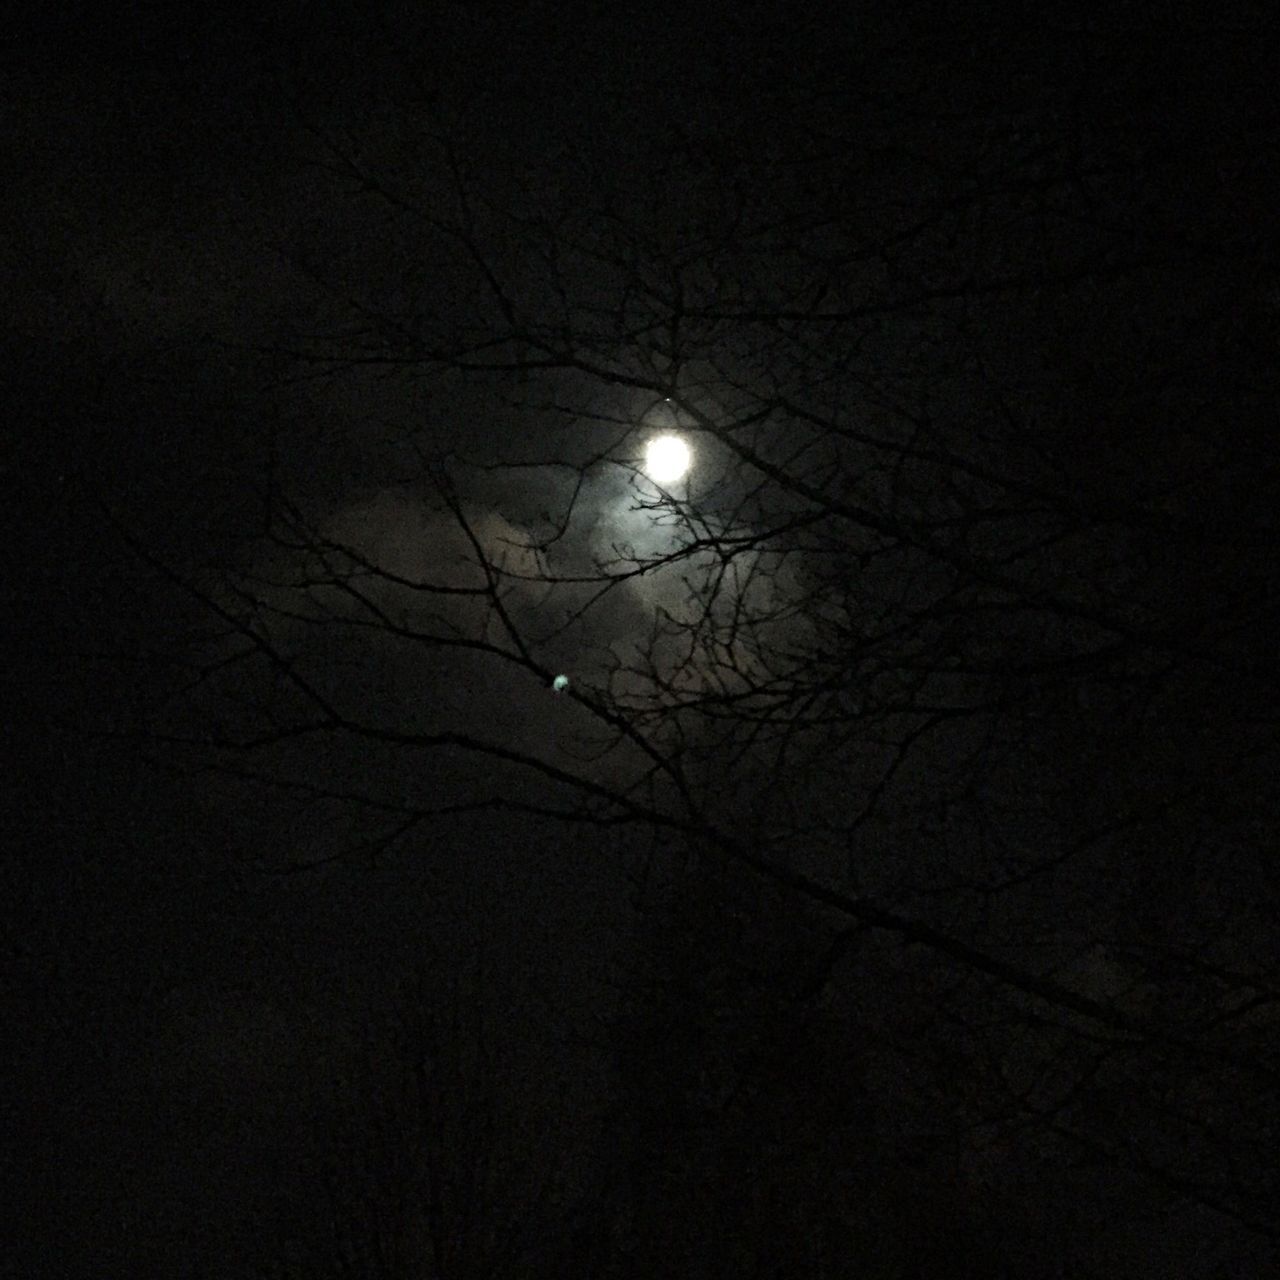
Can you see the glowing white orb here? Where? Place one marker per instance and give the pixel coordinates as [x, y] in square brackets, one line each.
[666, 459]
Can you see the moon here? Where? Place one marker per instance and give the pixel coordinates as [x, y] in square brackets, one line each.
[666, 459]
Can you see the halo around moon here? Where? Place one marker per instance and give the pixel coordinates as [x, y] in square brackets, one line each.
[666, 458]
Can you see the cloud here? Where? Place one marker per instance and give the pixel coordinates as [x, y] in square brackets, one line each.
[388, 611]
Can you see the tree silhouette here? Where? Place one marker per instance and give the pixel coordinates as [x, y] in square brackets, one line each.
[425, 1167]
[958, 630]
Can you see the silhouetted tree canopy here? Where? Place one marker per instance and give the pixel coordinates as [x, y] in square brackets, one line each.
[941, 692]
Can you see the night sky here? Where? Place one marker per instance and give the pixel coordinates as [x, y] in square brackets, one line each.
[892, 892]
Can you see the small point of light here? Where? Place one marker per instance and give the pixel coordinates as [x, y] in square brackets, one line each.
[666, 459]
[560, 684]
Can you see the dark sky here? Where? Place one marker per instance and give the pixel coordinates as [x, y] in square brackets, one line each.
[181, 1010]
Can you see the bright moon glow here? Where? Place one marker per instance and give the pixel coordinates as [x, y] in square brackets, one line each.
[666, 459]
